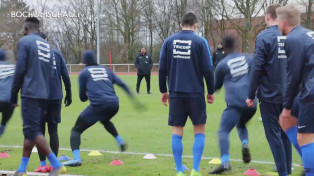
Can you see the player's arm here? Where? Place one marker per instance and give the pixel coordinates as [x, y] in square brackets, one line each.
[82, 86]
[219, 77]
[259, 60]
[295, 64]
[120, 83]
[151, 62]
[66, 81]
[162, 72]
[136, 62]
[208, 71]
[20, 70]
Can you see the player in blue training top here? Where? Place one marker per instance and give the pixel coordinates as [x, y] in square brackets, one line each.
[6, 79]
[96, 85]
[53, 112]
[299, 47]
[268, 79]
[184, 61]
[234, 72]
[32, 76]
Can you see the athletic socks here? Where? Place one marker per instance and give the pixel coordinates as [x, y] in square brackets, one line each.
[54, 162]
[292, 135]
[76, 155]
[177, 149]
[245, 142]
[43, 163]
[307, 158]
[198, 148]
[225, 158]
[2, 129]
[23, 165]
[119, 140]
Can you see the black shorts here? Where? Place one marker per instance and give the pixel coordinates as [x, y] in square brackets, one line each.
[306, 118]
[103, 113]
[295, 108]
[53, 113]
[182, 107]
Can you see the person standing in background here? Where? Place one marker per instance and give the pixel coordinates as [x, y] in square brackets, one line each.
[144, 65]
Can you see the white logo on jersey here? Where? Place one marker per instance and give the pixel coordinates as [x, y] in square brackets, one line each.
[238, 66]
[310, 34]
[281, 47]
[6, 71]
[43, 51]
[182, 49]
[98, 74]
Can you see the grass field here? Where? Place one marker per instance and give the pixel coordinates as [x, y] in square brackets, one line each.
[145, 132]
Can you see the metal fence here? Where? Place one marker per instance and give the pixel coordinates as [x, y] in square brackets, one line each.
[127, 68]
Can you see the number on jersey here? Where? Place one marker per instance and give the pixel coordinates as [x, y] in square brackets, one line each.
[98, 74]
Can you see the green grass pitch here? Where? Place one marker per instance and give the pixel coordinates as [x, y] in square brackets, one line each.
[146, 132]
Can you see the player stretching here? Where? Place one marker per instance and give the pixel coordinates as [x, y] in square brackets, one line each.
[6, 79]
[234, 72]
[53, 113]
[185, 60]
[299, 48]
[96, 85]
[32, 76]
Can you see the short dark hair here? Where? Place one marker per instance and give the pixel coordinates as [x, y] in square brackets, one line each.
[32, 22]
[43, 35]
[228, 42]
[189, 19]
[271, 11]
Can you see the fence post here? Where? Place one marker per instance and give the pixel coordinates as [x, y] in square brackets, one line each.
[128, 68]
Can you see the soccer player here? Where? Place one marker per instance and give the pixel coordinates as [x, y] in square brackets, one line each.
[53, 113]
[234, 72]
[96, 85]
[184, 61]
[299, 47]
[32, 76]
[6, 79]
[268, 79]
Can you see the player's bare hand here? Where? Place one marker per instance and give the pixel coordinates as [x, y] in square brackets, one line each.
[250, 102]
[165, 98]
[210, 98]
[285, 114]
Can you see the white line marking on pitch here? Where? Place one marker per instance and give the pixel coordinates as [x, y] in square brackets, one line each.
[165, 155]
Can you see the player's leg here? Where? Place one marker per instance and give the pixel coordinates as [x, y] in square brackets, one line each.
[147, 78]
[229, 120]
[7, 111]
[43, 165]
[196, 107]
[84, 121]
[306, 136]
[270, 115]
[138, 83]
[54, 138]
[109, 126]
[247, 114]
[178, 114]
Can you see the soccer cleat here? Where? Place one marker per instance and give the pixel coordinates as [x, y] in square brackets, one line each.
[220, 169]
[38, 169]
[58, 171]
[246, 156]
[123, 147]
[19, 173]
[195, 173]
[44, 169]
[50, 168]
[180, 174]
[149, 93]
[73, 163]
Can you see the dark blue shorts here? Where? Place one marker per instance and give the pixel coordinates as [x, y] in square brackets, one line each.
[103, 113]
[306, 118]
[182, 107]
[53, 113]
[33, 111]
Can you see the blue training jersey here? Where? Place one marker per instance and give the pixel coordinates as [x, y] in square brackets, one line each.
[269, 75]
[299, 48]
[96, 85]
[59, 71]
[185, 60]
[234, 72]
[33, 68]
[6, 79]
